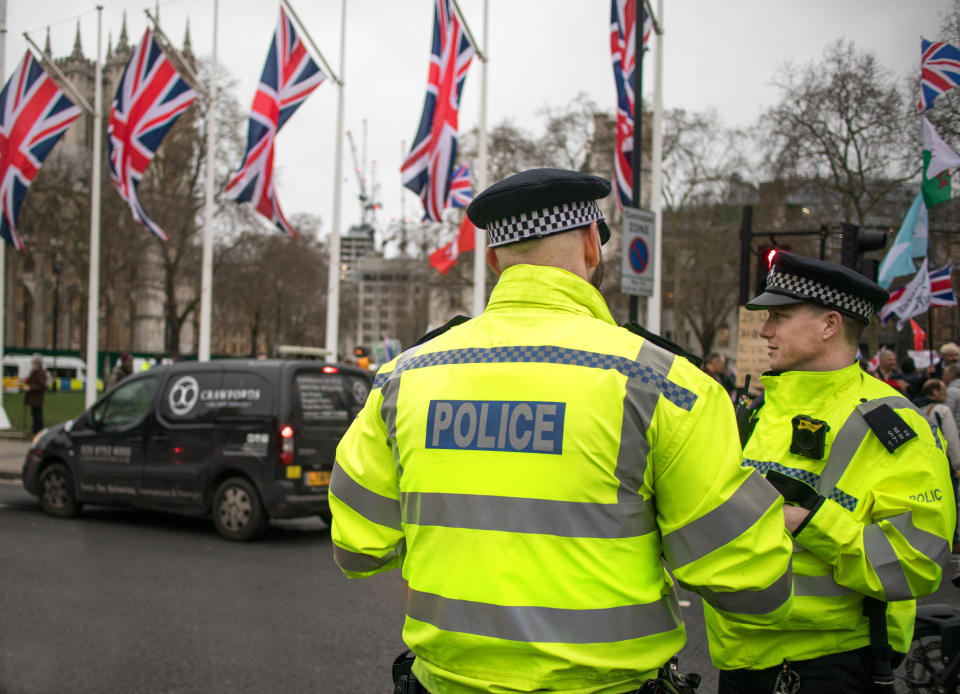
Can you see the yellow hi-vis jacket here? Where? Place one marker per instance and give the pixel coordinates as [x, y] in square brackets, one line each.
[527, 469]
[881, 529]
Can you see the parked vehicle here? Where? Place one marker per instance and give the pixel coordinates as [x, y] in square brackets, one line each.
[64, 373]
[242, 441]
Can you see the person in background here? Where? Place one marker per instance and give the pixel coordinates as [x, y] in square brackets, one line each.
[123, 369]
[933, 394]
[887, 370]
[715, 366]
[913, 378]
[35, 387]
[949, 356]
[951, 379]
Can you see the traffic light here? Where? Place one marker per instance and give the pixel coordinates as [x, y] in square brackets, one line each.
[765, 253]
[855, 243]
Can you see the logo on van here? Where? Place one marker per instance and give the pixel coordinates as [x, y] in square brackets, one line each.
[183, 395]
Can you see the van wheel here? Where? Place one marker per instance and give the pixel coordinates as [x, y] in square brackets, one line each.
[57, 496]
[237, 512]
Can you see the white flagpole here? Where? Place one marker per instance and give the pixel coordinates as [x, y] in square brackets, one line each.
[93, 301]
[4, 420]
[206, 277]
[333, 243]
[655, 302]
[480, 238]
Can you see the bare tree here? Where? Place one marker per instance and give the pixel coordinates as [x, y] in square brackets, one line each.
[841, 121]
[272, 288]
[700, 156]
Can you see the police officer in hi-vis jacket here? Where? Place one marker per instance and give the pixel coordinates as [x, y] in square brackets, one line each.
[867, 484]
[528, 469]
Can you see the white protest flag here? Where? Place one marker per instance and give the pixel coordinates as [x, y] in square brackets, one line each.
[942, 157]
[915, 298]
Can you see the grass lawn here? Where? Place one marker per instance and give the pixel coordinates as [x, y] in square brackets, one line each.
[57, 407]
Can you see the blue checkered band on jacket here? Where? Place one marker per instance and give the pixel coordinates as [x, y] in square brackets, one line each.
[531, 225]
[546, 354]
[810, 478]
[804, 288]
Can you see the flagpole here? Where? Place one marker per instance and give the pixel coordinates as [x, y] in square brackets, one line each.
[64, 81]
[206, 277]
[306, 35]
[4, 420]
[654, 303]
[93, 300]
[333, 245]
[480, 235]
[466, 28]
[166, 44]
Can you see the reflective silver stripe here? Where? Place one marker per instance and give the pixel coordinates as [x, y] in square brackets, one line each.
[819, 587]
[763, 601]
[545, 624]
[354, 561]
[933, 547]
[849, 438]
[725, 523]
[522, 515]
[391, 391]
[886, 564]
[639, 403]
[372, 506]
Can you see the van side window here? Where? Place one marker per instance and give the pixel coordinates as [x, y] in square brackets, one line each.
[128, 404]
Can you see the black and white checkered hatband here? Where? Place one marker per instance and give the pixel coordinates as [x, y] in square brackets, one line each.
[531, 225]
[810, 290]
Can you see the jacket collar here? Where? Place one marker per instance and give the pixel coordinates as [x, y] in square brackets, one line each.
[802, 388]
[541, 286]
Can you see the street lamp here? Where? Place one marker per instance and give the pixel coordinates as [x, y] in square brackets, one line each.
[57, 269]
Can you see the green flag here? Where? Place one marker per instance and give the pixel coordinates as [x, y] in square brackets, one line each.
[938, 158]
[937, 188]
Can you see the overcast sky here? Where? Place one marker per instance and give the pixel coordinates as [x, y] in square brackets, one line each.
[721, 55]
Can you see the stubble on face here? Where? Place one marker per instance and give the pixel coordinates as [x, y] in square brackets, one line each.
[596, 279]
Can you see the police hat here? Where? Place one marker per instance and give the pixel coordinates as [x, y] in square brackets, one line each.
[795, 279]
[539, 202]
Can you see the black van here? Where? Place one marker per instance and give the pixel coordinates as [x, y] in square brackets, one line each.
[240, 440]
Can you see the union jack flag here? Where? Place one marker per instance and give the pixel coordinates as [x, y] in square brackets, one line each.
[623, 15]
[460, 192]
[941, 290]
[34, 113]
[941, 293]
[939, 71]
[289, 76]
[150, 97]
[428, 169]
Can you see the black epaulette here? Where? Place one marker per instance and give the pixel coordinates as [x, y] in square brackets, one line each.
[453, 322]
[888, 426]
[638, 329]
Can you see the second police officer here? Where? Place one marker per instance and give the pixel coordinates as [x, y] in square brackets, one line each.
[870, 500]
[527, 470]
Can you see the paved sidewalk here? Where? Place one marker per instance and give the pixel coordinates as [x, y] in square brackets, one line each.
[13, 451]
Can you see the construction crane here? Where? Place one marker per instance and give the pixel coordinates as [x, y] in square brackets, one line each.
[369, 203]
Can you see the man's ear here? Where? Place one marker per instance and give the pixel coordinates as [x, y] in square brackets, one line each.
[492, 261]
[591, 246]
[832, 324]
